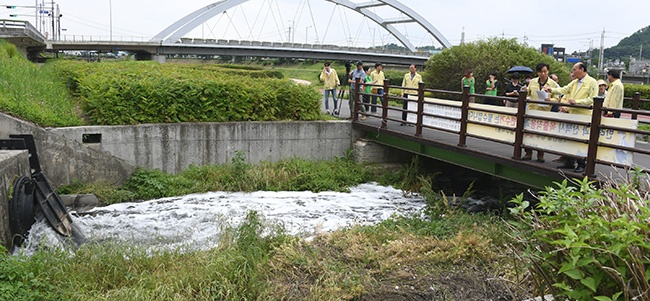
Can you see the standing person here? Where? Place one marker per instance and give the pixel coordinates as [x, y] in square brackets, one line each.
[582, 91]
[377, 77]
[527, 80]
[468, 81]
[330, 79]
[346, 80]
[614, 98]
[512, 90]
[555, 107]
[360, 74]
[410, 80]
[536, 84]
[602, 88]
[491, 88]
[366, 88]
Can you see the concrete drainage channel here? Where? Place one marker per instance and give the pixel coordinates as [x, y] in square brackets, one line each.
[33, 199]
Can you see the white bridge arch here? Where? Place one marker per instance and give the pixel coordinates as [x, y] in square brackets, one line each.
[185, 25]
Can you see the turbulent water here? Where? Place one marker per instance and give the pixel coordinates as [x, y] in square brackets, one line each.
[195, 221]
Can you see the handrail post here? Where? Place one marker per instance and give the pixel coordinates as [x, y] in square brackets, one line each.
[355, 115]
[464, 114]
[384, 105]
[635, 104]
[521, 122]
[418, 125]
[594, 135]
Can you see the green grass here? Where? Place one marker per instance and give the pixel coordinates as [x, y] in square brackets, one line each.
[31, 93]
[258, 261]
[287, 175]
[307, 71]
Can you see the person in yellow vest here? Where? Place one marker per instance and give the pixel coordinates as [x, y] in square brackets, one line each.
[614, 97]
[581, 91]
[377, 77]
[537, 84]
[330, 79]
[411, 80]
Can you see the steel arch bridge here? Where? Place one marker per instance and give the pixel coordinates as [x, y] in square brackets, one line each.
[185, 25]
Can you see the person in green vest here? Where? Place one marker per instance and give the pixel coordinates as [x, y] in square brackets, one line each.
[491, 88]
[367, 89]
[468, 81]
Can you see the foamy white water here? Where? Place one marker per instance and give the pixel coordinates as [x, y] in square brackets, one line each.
[195, 221]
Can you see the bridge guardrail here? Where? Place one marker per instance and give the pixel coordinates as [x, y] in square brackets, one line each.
[27, 27]
[92, 38]
[522, 128]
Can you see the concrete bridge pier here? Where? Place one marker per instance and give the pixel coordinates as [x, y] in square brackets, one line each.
[158, 58]
[369, 151]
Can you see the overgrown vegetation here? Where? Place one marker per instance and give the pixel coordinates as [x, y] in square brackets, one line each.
[644, 90]
[148, 92]
[404, 256]
[580, 242]
[588, 243]
[286, 175]
[28, 92]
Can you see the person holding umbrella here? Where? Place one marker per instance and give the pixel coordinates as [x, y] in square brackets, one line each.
[512, 90]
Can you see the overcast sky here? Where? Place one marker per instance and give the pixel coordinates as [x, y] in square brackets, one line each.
[572, 24]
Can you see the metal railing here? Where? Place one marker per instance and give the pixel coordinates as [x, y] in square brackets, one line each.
[520, 116]
[27, 27]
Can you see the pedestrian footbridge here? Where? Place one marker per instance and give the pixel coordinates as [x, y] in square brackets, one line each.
[491, 139]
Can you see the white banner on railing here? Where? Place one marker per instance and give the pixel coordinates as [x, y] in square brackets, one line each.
[438, 107]
[487, 121]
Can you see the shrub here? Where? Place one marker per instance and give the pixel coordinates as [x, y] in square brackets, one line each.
[588, 243]
[445, 70]
[148, 92]
[644, 90]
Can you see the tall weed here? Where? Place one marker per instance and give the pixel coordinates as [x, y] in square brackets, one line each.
[588, 243]
[30, 92]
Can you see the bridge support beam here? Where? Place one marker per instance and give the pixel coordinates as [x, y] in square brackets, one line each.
[369, 151]
[158, 58]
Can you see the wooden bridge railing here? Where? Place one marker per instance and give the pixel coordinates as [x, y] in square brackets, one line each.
[595, 125]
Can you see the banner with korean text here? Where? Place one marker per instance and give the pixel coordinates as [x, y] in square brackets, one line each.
[484, 123]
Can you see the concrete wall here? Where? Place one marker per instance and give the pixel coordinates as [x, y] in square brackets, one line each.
[64, 161]
[173, 147]
[13, 164]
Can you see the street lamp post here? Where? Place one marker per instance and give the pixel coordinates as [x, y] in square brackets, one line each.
[306, 32]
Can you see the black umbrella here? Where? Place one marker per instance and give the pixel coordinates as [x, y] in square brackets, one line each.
[520, 69]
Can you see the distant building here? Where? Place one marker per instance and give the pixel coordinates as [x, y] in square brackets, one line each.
[558, 53]
[639, 67]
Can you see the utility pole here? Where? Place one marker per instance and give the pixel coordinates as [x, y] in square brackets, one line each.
[52, 21]
[58, 22]
[462, 36]
[602, 51]
[591, 46]
[640, 52]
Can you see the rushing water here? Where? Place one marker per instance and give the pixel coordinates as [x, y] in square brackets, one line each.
[195, 221]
